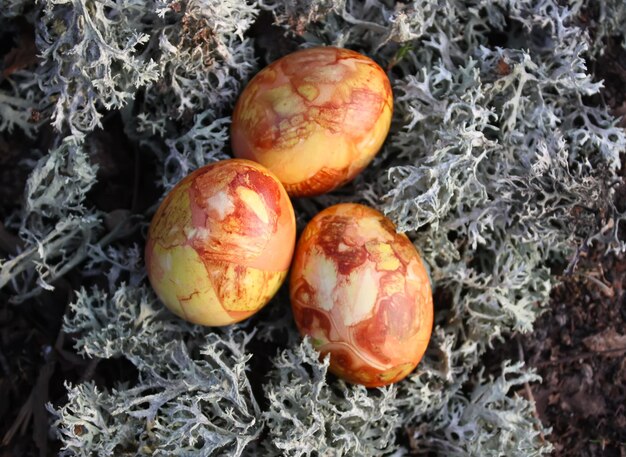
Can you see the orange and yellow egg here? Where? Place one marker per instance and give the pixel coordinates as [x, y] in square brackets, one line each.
[220, 244]
[360, 291]
[315, 118]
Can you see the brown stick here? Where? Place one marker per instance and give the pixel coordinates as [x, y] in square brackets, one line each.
[582, 355]
[9, 243]
[529, 393]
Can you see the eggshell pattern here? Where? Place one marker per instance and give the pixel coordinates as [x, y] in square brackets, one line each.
[220, 244]
[315, 118]
[360, 290]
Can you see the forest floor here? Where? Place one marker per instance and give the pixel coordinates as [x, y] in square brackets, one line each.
[578, 346]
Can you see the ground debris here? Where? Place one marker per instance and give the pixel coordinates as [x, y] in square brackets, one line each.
[579, 351]
[608, 343]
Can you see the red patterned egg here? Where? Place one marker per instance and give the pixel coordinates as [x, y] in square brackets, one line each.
[360, 291]
[220, 244]
[315, 118]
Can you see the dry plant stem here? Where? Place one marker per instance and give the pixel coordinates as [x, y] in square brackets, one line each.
[136, 177]
[9, 243]
[24, 260]
[606, 290]
[529, 392]
[8, 372]
[582, 355]
[349, 18]
[34, 406]
[4, 98]
[90, 370]
[21, 420]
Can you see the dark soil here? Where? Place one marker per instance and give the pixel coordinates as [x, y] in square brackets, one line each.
[578, 348]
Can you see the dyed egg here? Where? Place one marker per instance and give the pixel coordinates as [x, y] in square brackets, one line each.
[220, 244]
[315, 118]
[360, 290]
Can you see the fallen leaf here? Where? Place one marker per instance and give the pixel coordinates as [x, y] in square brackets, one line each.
[621, 372]
[22, 56]
[554, 398]
[608, 342]
[588, 404]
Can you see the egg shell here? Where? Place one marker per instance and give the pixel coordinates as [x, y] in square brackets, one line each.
[360, 291]
[220, 243]
[315, 118]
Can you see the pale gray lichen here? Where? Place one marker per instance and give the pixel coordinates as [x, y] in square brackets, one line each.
[308, 415]
[120, 264]
[183, 404]
[14, 8]
[489, 421]
[203, 60]
[192, 396]
[606, 19]
[128, 323]
[18, 104]
[20, 96]
[204, 56]
[501, 159]
[91, 59]
[205, 142]
[55, 227]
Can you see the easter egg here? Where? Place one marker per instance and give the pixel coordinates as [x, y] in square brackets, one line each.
[360, 291]
[220, 243]
[315, 118]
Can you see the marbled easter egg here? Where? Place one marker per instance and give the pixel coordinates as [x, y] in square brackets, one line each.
[220, 244]
[315, 118]
[360, 291]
